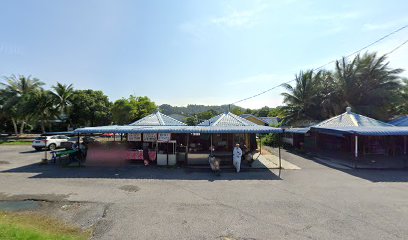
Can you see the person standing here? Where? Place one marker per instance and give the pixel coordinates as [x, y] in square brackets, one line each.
[236, 157]
[146, 157]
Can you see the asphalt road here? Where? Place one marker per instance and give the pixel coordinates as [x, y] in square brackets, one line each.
[134, 202]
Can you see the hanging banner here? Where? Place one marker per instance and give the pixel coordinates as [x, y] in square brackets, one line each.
[150, 137]
[164, 137]
[134, 137]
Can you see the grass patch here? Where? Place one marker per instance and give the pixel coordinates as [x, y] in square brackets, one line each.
[16, 143]
[25, 226]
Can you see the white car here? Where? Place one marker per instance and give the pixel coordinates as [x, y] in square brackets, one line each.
[49, 142]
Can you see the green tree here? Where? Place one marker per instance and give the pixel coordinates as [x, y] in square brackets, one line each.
[367, 84]
[262, 112]
[90, 108]
[192, 120]
[302, 101]
[121, 112]
[44, 105]
[15, 94]
[401, 107]
[206, 115]
[237, 111]
[125, 111]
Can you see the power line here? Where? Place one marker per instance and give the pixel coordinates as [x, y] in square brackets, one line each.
[320, 67]
[396, 48]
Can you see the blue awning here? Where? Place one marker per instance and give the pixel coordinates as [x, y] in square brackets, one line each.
[178, 129]
[364, 131]
[297, 130]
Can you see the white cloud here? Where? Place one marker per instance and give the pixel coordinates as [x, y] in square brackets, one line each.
[240, 18]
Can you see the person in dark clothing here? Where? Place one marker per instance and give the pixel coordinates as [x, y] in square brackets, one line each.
[146, 158]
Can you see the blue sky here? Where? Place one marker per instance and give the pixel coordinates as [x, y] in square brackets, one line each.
[180, 52]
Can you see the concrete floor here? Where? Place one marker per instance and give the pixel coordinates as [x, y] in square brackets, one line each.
[134, 202]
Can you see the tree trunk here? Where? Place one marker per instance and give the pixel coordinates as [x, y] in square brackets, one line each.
[22, 127]
[15, 126]
[42, 126]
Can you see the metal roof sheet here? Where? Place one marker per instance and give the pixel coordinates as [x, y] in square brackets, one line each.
[365, 131]
[157, 119]
[178, 129]
[227, 119]
[297, 130]
[349, 119]
[400, 122]
[270, 120]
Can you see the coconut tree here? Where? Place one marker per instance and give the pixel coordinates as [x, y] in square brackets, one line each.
[367, 84]
[302, 100]
[62, 94]
[16, 91]
[45, 106]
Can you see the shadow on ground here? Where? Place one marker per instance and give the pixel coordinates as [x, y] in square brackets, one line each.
[142, 172]
[373, 175]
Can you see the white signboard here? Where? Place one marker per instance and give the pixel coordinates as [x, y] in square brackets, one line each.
[150, 137]
[134, 137]
[164, 137]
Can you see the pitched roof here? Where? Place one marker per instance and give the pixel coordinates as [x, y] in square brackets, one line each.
[157, 119]
[227, 119]
[350, 119]
[270, 120]
[267, 120]
[178, 129]
[400, 122]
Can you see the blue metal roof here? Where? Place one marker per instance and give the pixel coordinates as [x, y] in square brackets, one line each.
[364, 131]
[227, 119]
[267, 120]
[297, 130]
[349, 119]
[270, 120]
[157, 119]
[178, 129]
[400, 122]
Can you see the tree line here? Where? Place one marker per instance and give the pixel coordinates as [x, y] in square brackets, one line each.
[25, 106]
[365, 83]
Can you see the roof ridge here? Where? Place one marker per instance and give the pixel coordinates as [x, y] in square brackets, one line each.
[328, 120]
[389, 125]
[237, 118]
[222, 115]
[353, 118]
[159, 117]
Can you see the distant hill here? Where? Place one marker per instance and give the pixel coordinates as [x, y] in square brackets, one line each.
[192, 109]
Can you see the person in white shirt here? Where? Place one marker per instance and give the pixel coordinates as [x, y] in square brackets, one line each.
[236, 157]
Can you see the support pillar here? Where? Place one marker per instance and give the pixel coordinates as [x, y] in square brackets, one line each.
[279, 150]
[188, 139]
[211, 144]
[79, 151]
[355, 150]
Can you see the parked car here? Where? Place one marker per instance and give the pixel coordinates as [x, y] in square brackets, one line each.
[49, 142]
[73, 140]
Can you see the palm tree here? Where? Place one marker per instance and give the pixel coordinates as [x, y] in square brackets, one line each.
[63, 97]
[367, 84]
[44, 104]
[63, 94]
[15, 91]
[302, 100]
